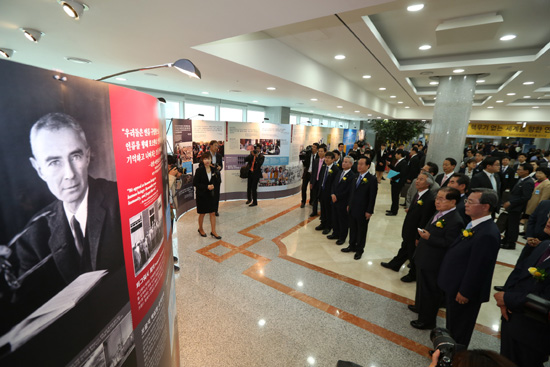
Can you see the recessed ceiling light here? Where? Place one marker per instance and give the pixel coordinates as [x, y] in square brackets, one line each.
[393, 97]
[311, 111]
[500, 101]
[254, 101]
[339, 107]
[458, 71]
[6, 52]
[328, 114]
[378, 117]
[32, 35]
[480, 81]
[366, 76]
[381, 88]
[73, 8]
[434, 83]
[526, 96]
[510, 94]
[314, 99]
[121, 79]
[400, 102]
[415, 7]
[370, 114]
[205, 93]
[271, 88]
[407, 107]
[356, 111]
[340, 57]
[78, 60]
[490, 107]
[435, 98]
[424, 47]
[535, 106]
[528, 83]
[508, 37]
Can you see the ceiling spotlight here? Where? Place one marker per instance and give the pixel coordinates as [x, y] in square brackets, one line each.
[254, 101]
[458, 71]
[535, 106]
[121, 79]
[381, 88]
[407, 107]
[271, 88]
[415, 7]
[339, 107]
[357, 111]
[526, 96]
[6, 52]
[161, 99]
[490, 107]
[205, 92]
[393, 97]
[480, 81]
[32, 34]
[73, 9]
[500, 101]
[434, 83]
[183, 65]
[340, 57]
[508, 37]
[366, 76]
[510, 94]
[424, 47]
[400, 102]
[314, 99]
[528, 83]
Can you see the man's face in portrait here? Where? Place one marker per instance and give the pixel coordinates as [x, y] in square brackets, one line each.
[61, 159]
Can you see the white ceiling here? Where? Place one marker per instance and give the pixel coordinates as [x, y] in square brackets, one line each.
[244, 46]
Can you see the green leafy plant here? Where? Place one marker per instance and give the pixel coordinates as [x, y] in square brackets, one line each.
[397, 131]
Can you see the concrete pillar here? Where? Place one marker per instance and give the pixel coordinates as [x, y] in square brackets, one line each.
[278, 115]
[455, 95]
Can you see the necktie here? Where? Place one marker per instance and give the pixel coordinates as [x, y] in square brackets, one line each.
[253, 162]
[469, 226]
[416, 196]
[319, 168]
[443, 180]
[82, 246]
[544, 256]
[342, 176]
[437, 216]
[325, 177]
[358, 181]
[493, 181]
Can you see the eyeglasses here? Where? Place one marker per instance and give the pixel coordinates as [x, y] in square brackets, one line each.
[470, 202]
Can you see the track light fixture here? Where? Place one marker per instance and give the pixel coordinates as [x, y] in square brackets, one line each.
[73, 9]
[6, 52]
[32, 35]
[183, 65]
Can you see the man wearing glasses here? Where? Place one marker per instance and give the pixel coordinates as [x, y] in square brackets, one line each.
[467, 268]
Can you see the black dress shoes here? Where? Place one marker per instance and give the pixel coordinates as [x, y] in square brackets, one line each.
[412, 308]
[357, 256]
[390, 214]
[420, 325]
[202, 235]
[303, 205]
[313, 215]
[389, 211]
[498, 288]
[248, 202]
[319, 228]
[332, 237]
[340, 242]
[216, 237]
[348, 249]
[217, 214]
[408, 279]
[254, 204]
[508, 246]
[388, 266]
[326, 231]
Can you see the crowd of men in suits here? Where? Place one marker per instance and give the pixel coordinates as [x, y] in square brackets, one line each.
[449, 235]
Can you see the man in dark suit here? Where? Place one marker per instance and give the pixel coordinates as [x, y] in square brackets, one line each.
[80, 231]
[467, 268]
[524, 340]
[314, 180]
[421, 210]
[337, 158]
[414, 165]
[307, 161]
[341, 190]
[381, 158]
[479, 162]
[489, 177]
[217, 165]
[397, 181]
[507, 178]
[535, 228]
[255, 160]
[449, 165]
[329, 173]
[519, 196]
[461, 182]
[361, 207]
[442, 229]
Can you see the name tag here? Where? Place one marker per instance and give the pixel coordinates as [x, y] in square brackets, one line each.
[516, 176]
[537, 192]
[506, 176]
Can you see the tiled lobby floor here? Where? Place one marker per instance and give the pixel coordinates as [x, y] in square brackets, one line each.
[275, 292]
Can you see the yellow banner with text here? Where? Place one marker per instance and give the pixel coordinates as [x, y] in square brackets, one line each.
[516, 131]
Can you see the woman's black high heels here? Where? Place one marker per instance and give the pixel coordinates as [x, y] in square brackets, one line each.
[202, 235]
[216, 237]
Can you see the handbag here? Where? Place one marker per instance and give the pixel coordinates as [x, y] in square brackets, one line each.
[502, 221]
[244, 171]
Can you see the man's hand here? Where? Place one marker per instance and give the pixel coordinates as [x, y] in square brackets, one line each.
[310, 186]
[407, 210]
[368, 215]
[210, 187]
[533, 241]
[173, 171]
[347, 208]
[424, 234]
[334, 199]
[504, 311]
[461, 299]
[506, 205]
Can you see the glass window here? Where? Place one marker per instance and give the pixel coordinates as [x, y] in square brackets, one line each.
[231, 114]
[172, 110]
[304, 120]
[192, 111]
[255, 116]
[315, 121]
[293, 119]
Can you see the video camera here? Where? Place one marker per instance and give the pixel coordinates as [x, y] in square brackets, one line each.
[304, 153]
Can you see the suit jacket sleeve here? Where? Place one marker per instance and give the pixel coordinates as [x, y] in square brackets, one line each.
[482, 258]
[373, 191]
[527, 188]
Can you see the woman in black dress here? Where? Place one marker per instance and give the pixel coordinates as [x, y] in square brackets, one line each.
[206, 180]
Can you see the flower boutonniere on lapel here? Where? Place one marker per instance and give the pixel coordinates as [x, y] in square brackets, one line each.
[440, 223]
[330, 171]
[344, 178]
[538, 273]
[420, 202]
[364, 181]
[467, 233]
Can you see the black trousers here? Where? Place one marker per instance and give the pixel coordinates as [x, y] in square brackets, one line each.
[340, 220]
[252, 188]
[517, 350]
[305, 185]
[406, 252]
[428, 295]
[217, 196]
[395, 192]
[461, 319]
[358, 233]
[314, 197]
[512, 228]
[326, 209]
